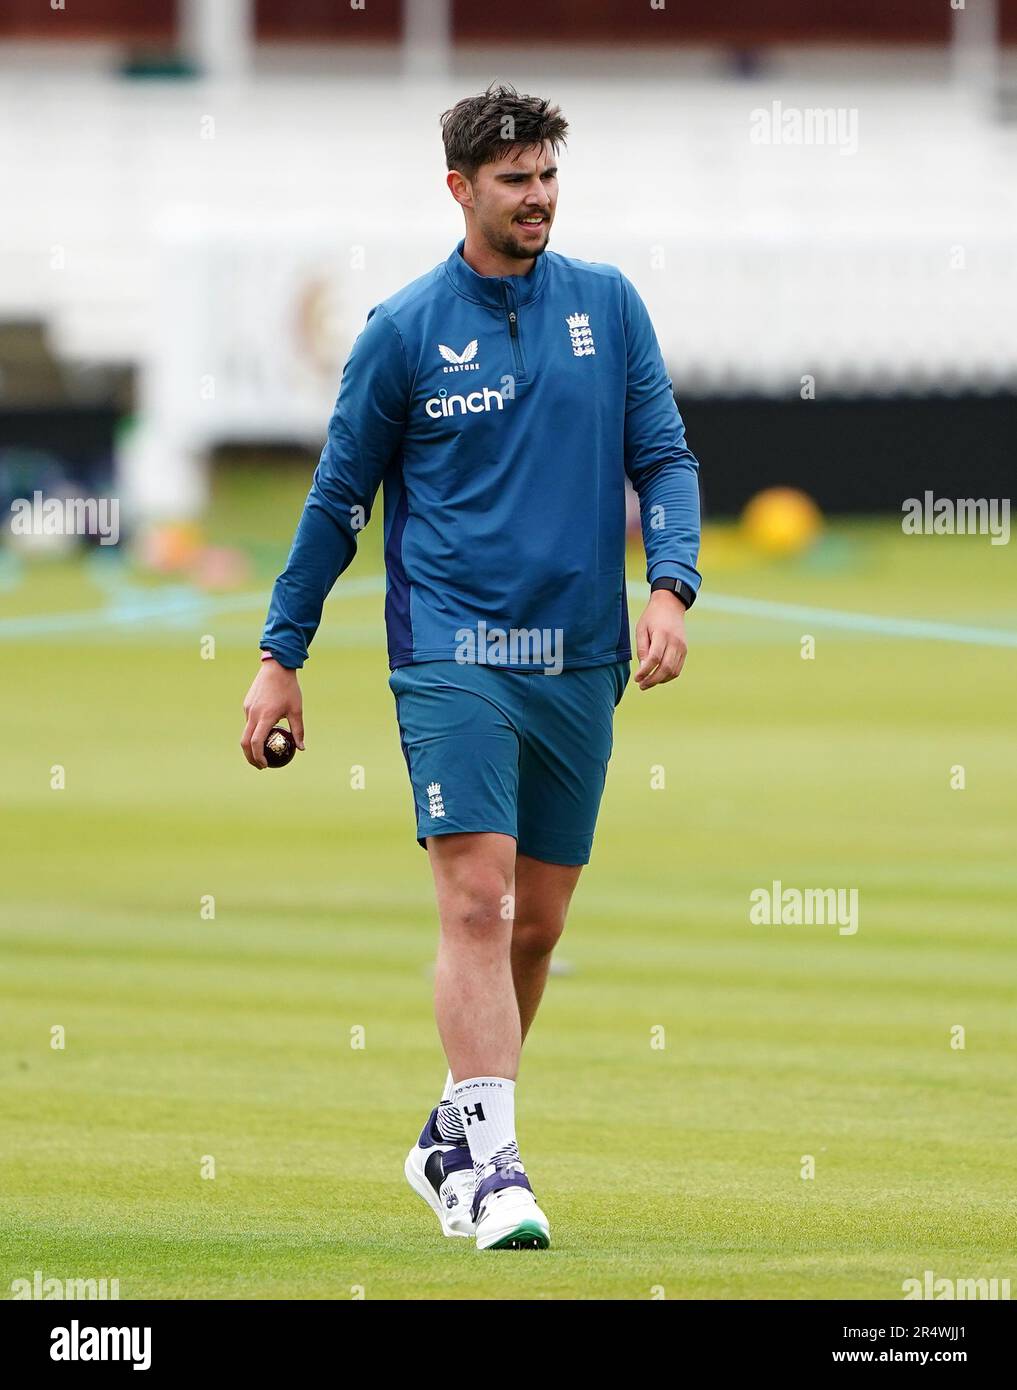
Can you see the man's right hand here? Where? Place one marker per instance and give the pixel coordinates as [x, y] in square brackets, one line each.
[274, 695]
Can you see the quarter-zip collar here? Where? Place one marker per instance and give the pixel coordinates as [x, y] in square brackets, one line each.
[487, 289]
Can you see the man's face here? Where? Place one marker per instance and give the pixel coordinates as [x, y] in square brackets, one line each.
[514, 199]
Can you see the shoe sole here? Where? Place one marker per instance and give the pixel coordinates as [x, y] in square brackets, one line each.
[528, 1235]
[424, 1189]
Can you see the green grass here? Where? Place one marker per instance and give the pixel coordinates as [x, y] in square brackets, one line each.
[676, 1168]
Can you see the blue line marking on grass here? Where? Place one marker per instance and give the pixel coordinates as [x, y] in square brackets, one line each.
[180, 605]
[919, 628]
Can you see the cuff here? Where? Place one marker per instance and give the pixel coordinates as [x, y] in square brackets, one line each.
[283, 659]
[674, 569]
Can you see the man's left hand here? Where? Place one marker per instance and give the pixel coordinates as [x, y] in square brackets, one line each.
[660, 640]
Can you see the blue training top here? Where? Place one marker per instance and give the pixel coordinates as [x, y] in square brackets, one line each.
[502, 414]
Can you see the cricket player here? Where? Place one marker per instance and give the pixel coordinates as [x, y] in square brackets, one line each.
[501, 399]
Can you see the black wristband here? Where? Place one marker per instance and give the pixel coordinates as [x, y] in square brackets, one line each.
[678, 588]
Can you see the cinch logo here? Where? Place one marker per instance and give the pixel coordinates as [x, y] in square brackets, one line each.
[460, 361]
[476, 403]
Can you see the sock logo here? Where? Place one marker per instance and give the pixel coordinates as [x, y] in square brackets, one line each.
[477, 1113]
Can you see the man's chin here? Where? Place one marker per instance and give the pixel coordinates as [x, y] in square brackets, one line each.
[525, 251]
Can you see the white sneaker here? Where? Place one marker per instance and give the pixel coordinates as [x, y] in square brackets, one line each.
[508, 1218]
[442, 1173]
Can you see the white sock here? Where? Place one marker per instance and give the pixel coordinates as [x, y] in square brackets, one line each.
[450, 1125]
[487, 1105]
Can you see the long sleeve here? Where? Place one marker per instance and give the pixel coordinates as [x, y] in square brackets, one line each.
[663, 469]
[364, 434]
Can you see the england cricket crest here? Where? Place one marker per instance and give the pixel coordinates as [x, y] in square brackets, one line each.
[581, 335]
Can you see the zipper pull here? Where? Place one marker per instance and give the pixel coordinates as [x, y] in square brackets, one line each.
[513, 329]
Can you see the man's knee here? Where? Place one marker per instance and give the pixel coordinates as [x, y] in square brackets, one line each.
[537, 934]
[477, 904]
[474, 885]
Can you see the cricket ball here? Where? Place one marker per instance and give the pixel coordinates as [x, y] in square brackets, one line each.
[280, 746]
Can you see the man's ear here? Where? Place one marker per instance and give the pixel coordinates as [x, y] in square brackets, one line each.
[459, 187]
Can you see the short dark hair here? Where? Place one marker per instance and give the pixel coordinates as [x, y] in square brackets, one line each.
[481, 129]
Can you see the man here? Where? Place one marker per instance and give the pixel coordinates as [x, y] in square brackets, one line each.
[501, 398]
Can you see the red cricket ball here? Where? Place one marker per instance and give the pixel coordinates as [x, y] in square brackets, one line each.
[280, 746]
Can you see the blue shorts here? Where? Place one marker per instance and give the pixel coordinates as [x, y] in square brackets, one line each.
[513, 751]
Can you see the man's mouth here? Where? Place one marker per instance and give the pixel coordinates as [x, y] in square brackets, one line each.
[536, 219]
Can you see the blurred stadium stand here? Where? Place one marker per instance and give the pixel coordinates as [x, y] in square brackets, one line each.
[200, 249]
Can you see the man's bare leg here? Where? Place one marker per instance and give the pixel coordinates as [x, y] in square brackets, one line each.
[483, 955]
[474, 999]
[543, 894]
[478, 1019]
[480, 957]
